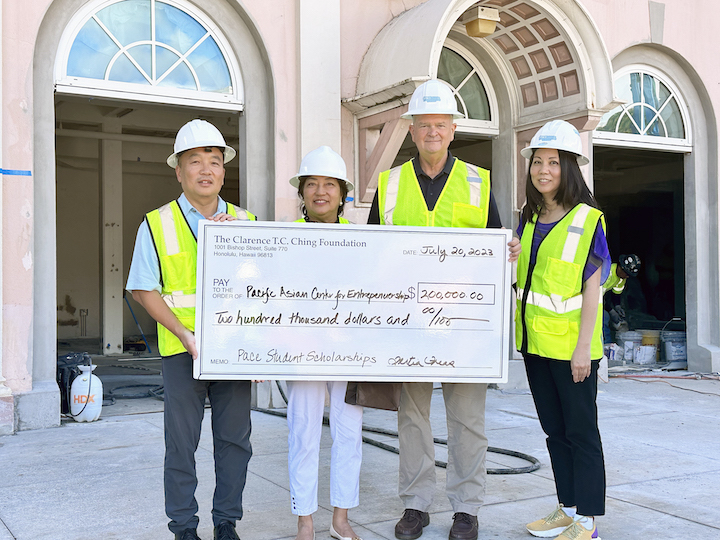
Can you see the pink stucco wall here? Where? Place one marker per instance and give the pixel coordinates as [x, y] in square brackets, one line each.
[19, 32]
[690, 32]
[278, 29]
[361, 22]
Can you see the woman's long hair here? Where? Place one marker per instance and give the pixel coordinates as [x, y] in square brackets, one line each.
[572, 191]
[343, 194]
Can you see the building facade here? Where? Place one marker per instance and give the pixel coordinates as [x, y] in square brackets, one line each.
[93, 92]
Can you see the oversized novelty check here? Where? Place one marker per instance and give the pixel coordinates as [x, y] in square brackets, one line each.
[301, 301]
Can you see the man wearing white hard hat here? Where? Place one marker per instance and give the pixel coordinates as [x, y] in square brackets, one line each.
[162, 279]
[436, 189]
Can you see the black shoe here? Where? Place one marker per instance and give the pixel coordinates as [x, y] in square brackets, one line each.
[465, 527]
[187, 534]
[225, 530]
[411, 524]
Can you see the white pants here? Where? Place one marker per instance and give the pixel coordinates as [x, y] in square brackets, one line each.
[306, 404]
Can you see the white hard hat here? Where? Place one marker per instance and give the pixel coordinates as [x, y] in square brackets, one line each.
[559, 135]
[433, 97]
[199, 134]
[322, 161]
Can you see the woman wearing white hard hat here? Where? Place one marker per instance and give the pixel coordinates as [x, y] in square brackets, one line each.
[322, 186]
[564, 260]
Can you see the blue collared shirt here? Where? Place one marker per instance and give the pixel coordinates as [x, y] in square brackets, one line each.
[144, 274]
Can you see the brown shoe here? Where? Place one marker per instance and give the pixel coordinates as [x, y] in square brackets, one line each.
[465, 527]
[411, 524]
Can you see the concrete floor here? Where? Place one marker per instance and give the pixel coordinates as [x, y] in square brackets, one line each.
[104, 479]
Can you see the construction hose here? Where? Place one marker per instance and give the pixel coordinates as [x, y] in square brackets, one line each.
[147, 391]
[157, 392]
[153, 390]
[534, 462]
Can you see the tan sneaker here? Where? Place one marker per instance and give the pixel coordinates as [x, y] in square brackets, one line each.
[577, 532]
[551, 525]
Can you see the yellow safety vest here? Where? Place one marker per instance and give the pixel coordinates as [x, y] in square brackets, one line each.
[176, 248]
[614, 282]
[464, 201]
[549, 293]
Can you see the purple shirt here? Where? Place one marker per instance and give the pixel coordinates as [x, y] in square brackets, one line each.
[599, 256]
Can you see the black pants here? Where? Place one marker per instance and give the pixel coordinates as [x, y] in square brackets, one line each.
[184, 411]
[568, 416]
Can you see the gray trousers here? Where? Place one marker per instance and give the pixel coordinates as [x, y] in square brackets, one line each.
[184, 411]
[467, 446]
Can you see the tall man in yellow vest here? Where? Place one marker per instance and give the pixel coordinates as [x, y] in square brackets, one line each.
[162, 279]
[436, 189]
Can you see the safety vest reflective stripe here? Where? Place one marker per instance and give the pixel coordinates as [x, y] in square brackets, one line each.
[172, 244]
[575, 231]
[553, 303]
[391, 194]
[178, 299]
[475, 181]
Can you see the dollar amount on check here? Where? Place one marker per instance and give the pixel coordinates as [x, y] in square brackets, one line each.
[352, 302]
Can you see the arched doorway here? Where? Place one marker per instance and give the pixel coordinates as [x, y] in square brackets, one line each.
[129, 114]
[661, 141]
[149, 67]
[639, 150]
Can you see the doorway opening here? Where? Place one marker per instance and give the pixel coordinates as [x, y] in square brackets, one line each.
[96, 217]
[641, 193]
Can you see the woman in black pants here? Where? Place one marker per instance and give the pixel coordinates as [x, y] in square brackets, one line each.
[563, 262]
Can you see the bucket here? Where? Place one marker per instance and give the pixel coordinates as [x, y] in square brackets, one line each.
[645, 354]
[651, 338]
[628, 341]
[674, 346]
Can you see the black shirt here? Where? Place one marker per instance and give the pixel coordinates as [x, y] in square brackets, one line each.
[431, 189]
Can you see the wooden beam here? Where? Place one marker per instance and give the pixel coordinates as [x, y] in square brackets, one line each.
[381, 156]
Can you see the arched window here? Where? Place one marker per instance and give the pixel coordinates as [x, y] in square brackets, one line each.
[147, 47]
[652, 115]
[466, 79]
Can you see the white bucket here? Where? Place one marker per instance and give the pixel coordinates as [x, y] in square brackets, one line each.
[629, 341]
[674, 346]
[645, 354]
